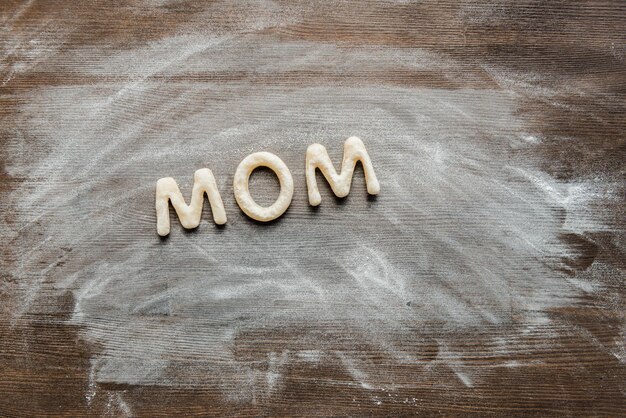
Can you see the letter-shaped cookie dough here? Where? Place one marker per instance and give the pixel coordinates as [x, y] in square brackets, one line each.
[242, 193]
[353, 151]
[167, 190]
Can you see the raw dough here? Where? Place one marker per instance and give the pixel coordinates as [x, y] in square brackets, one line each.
[242, 193]
[167, 190]
[353, 151]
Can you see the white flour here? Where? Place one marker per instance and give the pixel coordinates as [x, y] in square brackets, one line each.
[462, 236]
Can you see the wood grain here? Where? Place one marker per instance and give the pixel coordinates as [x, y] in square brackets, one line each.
[477, 305]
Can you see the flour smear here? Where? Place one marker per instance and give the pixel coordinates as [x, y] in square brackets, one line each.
[464, 235]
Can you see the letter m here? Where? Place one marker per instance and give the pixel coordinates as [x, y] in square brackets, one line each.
[353, 151]
[167, 191]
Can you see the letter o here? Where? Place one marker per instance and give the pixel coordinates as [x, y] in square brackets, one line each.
[242, 192]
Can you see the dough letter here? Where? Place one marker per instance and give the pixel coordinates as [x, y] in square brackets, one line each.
[167, 190]
[242, 193]
[353, 151]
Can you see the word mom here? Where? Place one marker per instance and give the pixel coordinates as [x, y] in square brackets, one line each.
[316, 158]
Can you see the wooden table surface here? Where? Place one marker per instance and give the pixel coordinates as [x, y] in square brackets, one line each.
[487, 277]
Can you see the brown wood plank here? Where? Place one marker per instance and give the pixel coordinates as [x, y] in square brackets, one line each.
[486, 279]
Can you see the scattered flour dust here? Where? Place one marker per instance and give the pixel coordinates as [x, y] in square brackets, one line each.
[462, 235]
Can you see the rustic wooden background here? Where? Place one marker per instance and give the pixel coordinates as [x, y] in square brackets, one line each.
[440, 297]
